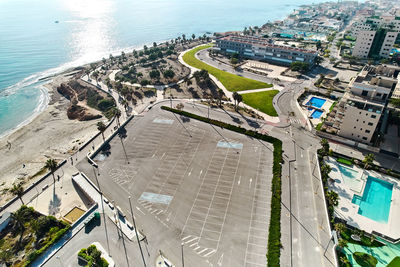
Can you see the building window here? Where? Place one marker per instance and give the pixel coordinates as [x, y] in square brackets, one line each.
[370, 123]
[367, 131]
[373, 116]
[365, 138]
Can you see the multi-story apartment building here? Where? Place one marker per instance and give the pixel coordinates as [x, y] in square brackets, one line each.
[359, 113]
[264, 49]
[376, 36]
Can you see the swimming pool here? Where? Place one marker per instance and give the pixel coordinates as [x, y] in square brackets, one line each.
[316, 102]
[316, 114]
[347, 172]
[376, 200]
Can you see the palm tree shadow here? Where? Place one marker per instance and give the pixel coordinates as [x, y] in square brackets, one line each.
[55, 203]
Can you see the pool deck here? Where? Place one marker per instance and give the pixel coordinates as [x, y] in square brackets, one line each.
[348, 211]
[325, 108]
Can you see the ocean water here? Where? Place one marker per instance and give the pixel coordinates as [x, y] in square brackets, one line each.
[33, 46]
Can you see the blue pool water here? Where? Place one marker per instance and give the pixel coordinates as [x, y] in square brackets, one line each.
[376, 200]
[347, 172]
[316, 114]
[316, 102]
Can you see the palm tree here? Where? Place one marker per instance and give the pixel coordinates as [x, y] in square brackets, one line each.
[342, 243]
[87, 72]
[17, 190]
[340, 227]
[344, 260]
[95, 75]
[238, 98]
[325, 170]
[369, 158]
[125, 103]
[19, 220]
[104, 60]
[101, 127]
[117, 114]
[333, 198]
[193, 36]
[51, 165]
[220, 95]
[325, 146]
[235, 95]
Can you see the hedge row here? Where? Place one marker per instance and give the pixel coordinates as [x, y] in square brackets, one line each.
[274, 236]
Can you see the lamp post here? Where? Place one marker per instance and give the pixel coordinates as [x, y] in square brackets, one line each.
[183, 262]
[136, 232]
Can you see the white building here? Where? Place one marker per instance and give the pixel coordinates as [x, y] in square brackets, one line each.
[359, 112]
[376, 36]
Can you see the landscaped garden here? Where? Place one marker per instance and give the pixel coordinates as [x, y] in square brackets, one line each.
[28, 235]
[231, 82]
[355, 247]
[261, 101]
[92, 257]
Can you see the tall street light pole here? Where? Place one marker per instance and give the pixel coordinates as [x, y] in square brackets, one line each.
[183, 262]
[136, 232]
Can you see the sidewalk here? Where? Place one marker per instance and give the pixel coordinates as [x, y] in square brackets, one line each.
[107, 207]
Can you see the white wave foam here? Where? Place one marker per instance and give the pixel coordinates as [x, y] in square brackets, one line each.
[44, 100]
[37, 77]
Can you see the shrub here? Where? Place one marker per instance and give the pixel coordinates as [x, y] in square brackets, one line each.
[105, 104]
[364, 259]
[92, 256]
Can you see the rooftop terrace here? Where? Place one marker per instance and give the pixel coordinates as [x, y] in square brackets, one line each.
[264, 42]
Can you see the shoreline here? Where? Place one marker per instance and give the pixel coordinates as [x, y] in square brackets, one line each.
[67, 67]
[50, 134]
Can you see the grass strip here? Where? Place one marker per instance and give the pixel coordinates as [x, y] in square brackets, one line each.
[231, 81]
[344, 161]
[274, 232]
[262, 101]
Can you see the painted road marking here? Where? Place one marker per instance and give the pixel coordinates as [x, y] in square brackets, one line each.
[163, 121]
[140, 210]
[233, 145]
[156, 198]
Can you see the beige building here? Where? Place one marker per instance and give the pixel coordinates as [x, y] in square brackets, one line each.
[359, 113]
[376, 36]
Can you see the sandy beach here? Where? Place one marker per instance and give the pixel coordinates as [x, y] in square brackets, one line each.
[50, 135]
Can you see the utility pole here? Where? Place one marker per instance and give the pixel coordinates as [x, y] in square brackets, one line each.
[136, 232]
[183, 262]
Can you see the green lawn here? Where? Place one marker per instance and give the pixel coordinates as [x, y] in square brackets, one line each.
[231, 82]
[395, 262]
[261, 101]
[344, 161]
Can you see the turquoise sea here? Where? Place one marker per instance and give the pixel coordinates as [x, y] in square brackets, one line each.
[33, 46]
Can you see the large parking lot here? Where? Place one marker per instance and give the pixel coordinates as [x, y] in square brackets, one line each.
[192, 183]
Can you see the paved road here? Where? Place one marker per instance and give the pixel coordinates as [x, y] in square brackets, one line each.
[308, 229]
[123, 251]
